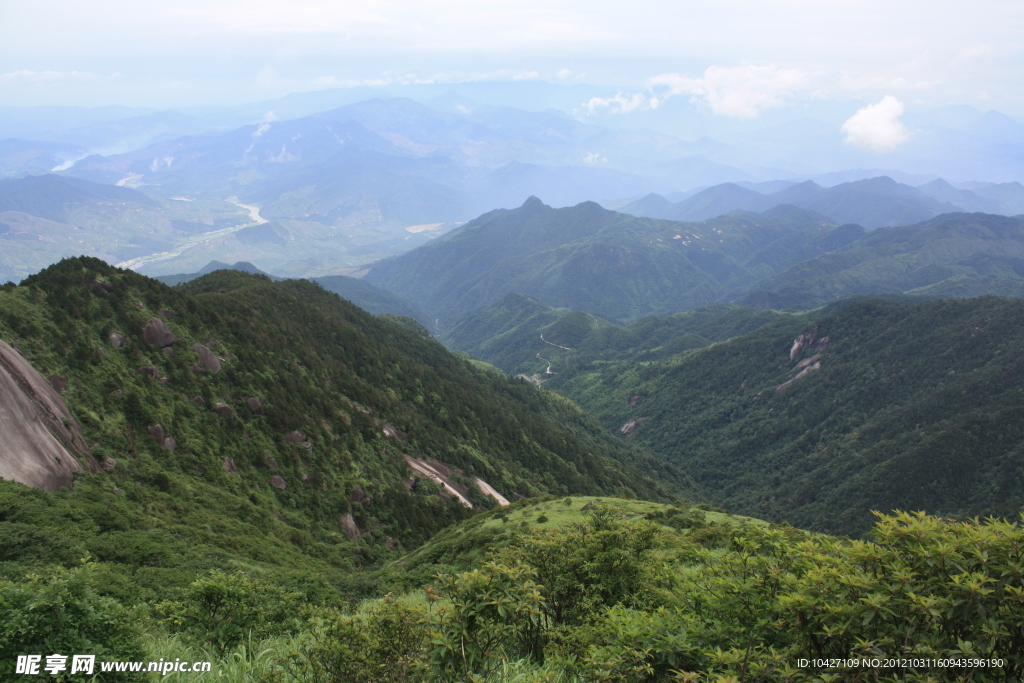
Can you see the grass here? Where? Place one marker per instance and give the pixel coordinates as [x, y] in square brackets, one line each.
[564, 511]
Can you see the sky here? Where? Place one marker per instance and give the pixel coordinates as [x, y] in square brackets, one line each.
[738, 58]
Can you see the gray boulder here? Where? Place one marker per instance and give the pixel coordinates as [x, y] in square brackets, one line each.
[156, 332]
[208, 360]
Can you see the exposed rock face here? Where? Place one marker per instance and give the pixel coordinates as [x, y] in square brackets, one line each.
[439, 472]
[348, 523]
[208, 361]
[229, 466]
[633, 400]
[40, 440]
[223, 409]
[109, 463]
[357, 495]
[277, 482]
[148, 371]
[58, 383]
[156, 332]
[271, 463]
[393, 432]
[198, 400]
[632, 424]
[255, 405]
[294, 437]
[116, 339]
[98, 286]
[157, 432]
[169, 350]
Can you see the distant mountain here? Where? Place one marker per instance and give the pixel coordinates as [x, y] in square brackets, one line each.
[212, 266]
[54, 197]
[21, 157]
[1010, 196]
[718, 201]
[872, 203]
[954, 254]
[614, 265]
[46, 218]
[964, 200]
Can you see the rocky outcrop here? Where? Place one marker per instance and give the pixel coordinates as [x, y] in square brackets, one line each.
[628, 428]
[488, 490]
[148, 371]
[348, 524]
[229, 466]
[208, 360]
[224, 410]
[294, 437]
[809, 368]
[165, 313]
[156, 333]
[116, 339]
[165, 440]
[58, 383]
[393, 432]
[633, 400]
[808, 339]
[278, 482]
[255, 405]
[437, 471]
[199, 401]
[41, 443]
[100, 286]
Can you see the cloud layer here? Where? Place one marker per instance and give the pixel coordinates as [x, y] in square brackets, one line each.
[877, 126]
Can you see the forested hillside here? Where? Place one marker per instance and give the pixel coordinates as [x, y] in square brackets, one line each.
[235, 419]
[956, 254]
[589, 259]
[822, 417]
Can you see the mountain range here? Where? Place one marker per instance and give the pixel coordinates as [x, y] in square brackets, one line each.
[622, 268]
[872, 203]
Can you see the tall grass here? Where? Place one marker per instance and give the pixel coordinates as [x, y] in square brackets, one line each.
[251, 661]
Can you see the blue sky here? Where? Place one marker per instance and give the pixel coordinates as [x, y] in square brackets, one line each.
[736, 57]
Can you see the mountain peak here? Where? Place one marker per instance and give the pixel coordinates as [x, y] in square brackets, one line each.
[532, 202]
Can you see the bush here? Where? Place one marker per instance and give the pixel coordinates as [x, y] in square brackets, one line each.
[222, 609]
[62, 613]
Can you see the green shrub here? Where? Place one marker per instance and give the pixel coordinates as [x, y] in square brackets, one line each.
[221, 609]
[62, 613]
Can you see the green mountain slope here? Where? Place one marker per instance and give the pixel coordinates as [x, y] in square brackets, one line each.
[610, 264]
[520, 335]
[954, 254]
[293, 453]
[880, 406]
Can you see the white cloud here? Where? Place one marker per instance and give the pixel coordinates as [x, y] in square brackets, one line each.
[741, 92]
[26, 76]
[621, 104]
[877, 126]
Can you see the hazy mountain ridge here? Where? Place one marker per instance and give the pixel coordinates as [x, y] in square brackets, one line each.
[611, 264]
[873, 203]
[954, 255]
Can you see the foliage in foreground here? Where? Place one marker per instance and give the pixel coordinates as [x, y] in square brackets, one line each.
[620, 599]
